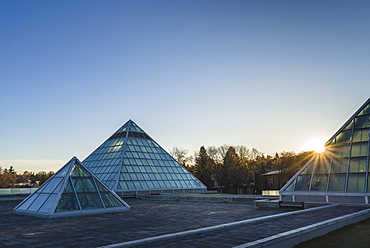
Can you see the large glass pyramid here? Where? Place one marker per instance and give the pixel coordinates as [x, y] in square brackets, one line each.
[341, 172]
[73, 190]
[131, 161]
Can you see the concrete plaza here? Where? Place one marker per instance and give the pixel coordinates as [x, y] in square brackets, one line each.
[148, 218]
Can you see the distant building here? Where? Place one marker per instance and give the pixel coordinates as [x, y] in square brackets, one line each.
[341, 173]
[272, 179]
[130, 162]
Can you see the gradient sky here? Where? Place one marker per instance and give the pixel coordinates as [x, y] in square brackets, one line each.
[270, 75]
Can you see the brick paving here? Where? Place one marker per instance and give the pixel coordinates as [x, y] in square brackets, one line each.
[151, 218]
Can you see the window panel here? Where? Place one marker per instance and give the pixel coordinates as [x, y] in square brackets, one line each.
[178, 184]
[133, 176]
[68, 202]
[341, 151]
[302, 183]
[49, 203]
[357, 165]
[319, 183]
[365, 111]
[343, 137]
[140, 177]
[359, 149]
[356, 182]
[150, 184]
[89, 200]
[27, 203]
[137, 185]
[337, 182]
[362, 122]
[110, 201]
[132, 161]
[123, 185]
[130, 185]
[290, 186]
[84, 185]
[339, 165]
[156, 185]
[349, 126]
[38, 202]
[144, 185]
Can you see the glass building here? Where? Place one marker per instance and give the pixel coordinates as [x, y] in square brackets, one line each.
[131, 162]
[73, 190]
[340, 174]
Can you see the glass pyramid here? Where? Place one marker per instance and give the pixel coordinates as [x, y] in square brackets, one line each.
[341, 172]
[73, 190]
[131, 161]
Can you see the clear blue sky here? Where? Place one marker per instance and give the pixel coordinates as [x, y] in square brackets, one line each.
[265, 74]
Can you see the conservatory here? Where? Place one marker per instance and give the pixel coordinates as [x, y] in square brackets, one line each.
[340, 174]
[130, 162]
[73, 190]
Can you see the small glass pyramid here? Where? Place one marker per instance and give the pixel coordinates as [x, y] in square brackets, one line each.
[341, 172]
[73, 190]
[131, 161]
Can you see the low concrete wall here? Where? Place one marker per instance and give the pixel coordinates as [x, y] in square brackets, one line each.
[204, 198]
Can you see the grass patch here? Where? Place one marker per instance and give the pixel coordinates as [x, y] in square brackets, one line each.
[355, 235]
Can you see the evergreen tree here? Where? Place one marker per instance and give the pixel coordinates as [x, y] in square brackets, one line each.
[203, 168]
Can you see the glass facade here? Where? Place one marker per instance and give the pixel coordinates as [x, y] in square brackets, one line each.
[344, 165]
[130, 160]
[72, 189]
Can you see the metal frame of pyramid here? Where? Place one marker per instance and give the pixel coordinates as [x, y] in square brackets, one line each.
[341, 173]
[73, 190]
[130, 162]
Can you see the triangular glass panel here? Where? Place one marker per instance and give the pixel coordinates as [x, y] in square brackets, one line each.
[79, 171]
[68, 202]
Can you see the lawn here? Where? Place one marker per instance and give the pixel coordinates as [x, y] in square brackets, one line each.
[356, 235]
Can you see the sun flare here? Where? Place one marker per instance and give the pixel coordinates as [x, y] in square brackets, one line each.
[315, 144]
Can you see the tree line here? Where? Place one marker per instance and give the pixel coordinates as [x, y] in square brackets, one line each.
[229, 169]
[9, 178]
[237, 169]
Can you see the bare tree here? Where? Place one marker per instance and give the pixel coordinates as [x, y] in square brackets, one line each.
[181, 155]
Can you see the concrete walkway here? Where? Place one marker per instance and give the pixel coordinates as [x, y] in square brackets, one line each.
[149, 218]
[253, 234]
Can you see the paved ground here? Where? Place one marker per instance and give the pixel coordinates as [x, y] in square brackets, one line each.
[254, 231]
[151, 218]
